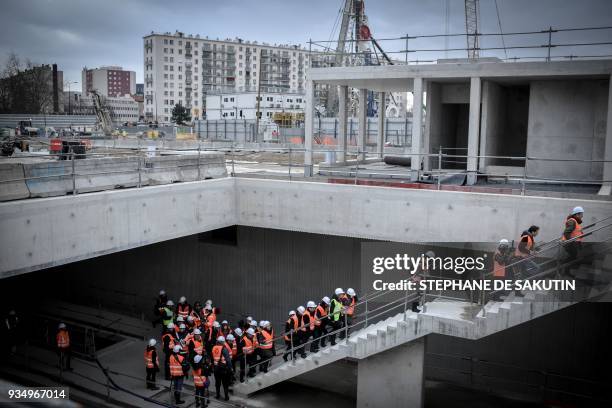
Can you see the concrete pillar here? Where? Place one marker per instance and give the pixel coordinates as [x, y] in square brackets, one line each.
[417, 127]
[486, 111]
[382, 105]
[393, 378]
[342, 128]
[473, 130]
[606, 188]
[308, 128]
[362, 138]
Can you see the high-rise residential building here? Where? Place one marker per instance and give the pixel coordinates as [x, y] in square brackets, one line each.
[110, 81]
[183, 69]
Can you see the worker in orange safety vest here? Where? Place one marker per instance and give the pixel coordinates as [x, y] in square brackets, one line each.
[151, 364]
[64, 351]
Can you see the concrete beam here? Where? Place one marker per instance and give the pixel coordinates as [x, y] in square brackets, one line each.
[342, 129]
[417, 127]
[362, 139]
[606, 188]
[474, 129]
[394, 378]
[308, 128]
[46, 232]
[380, 143]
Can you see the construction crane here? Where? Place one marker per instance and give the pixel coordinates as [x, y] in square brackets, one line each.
[360, 53]
[472, 17]
[102, 113]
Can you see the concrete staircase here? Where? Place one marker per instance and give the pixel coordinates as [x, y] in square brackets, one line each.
[453, 318]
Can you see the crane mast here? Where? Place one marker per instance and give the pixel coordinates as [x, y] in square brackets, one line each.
[471, 27]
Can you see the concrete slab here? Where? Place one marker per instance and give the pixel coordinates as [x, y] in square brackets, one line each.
[12, 184]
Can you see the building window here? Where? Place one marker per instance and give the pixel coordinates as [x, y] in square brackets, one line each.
[165, 50]
[166, 41]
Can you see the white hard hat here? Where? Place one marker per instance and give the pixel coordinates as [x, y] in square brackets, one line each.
[254, 323]
[162, 292]
[190, 318]
[326, 300]
[311, 304]
[61, 326]
[339, 291]
[182, 326]
[152, 342]
[176, 348]
[170, 326]
[208, 302]
[221, 339]
[350, 292]
[268, 324]
[504, 242]
[208, 307]
[249, 318]
[180, 319]
[169, 303]
[291, 312]
[183, 299]
[197, 358]
[301, 309]
[238, 331]
[577, 210]
[197, 331]
[430, 254]
[262, 323]
[230, 337]
[224, 322]
[251, 331]
[216, 324]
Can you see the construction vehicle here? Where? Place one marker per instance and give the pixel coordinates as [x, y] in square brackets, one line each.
[102, 113]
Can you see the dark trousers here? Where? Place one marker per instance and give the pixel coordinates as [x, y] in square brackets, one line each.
[177, 384]
[335, 325]
[242, 365]
[222, 378]
[287, 352]
[201, 396]
[266, 357]
[151, 377]
[251, 361]
[64, 357]
[320, 334]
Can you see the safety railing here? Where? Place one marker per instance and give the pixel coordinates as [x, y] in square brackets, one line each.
[523, 45]
[141, 168]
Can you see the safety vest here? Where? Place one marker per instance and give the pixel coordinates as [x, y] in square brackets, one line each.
[183, 310]
[577, 232]
[176, 367]
[196, 319]
[171, 341]
[210, 319]
[268, 342]
[248, 346]
[351, 307]
[217, 354]
[310, 325]
[233, 349]
[255, 341]
[499, 270]
[63, 339]
[198, 379]
[336, 307]
[529, 246]
[293, 322]
[168, 316]
[198, 346]
[148, 356]
[320, 313]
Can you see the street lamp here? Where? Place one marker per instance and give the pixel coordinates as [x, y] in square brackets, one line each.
[70, 97]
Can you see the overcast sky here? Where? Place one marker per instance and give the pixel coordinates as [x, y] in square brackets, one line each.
[77, 33]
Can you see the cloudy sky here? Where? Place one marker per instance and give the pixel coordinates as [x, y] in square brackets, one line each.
[77, 33]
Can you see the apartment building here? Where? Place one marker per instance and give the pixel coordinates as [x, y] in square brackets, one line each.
[111, 81]
[183, 69]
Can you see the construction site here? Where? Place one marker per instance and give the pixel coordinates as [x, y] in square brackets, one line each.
[434, 230]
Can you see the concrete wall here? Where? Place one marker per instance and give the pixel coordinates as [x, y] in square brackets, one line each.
[567, 119]
[51, 231]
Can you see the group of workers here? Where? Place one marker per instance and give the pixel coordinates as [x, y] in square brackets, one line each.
[193, 341]
[511, 263]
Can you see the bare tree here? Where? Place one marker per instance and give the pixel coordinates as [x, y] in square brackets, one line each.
[26, 89]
